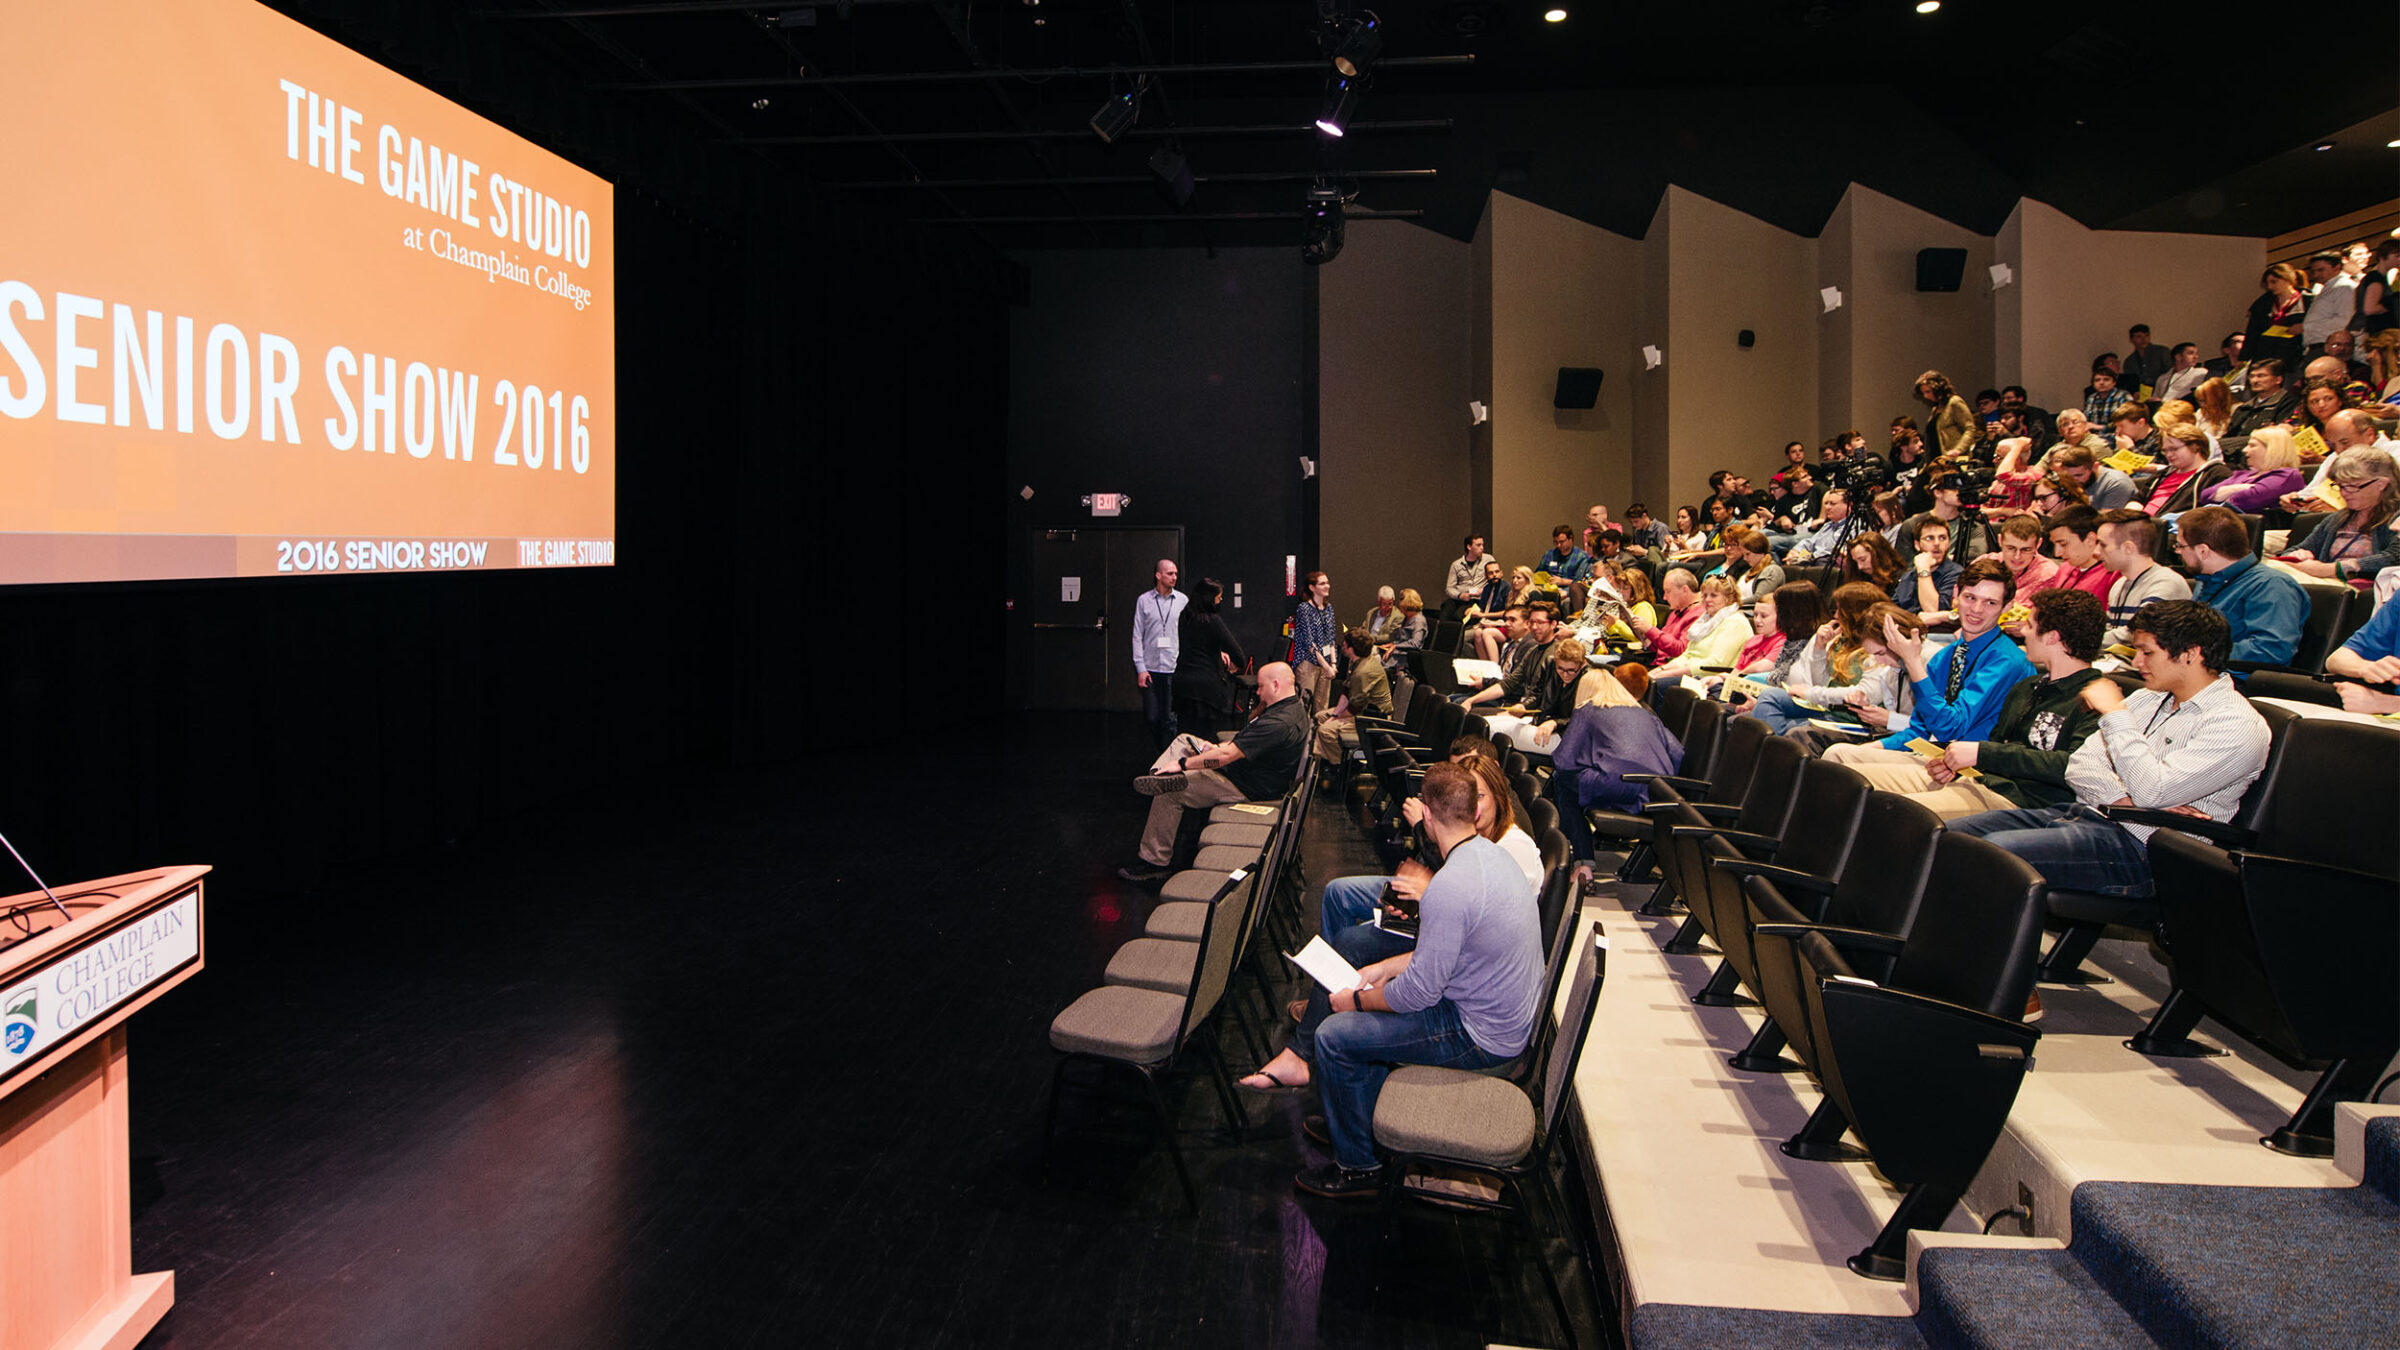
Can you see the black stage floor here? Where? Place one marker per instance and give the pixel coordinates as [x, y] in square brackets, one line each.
[748, 1057]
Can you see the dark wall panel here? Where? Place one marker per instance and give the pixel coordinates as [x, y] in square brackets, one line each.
[1176, 377]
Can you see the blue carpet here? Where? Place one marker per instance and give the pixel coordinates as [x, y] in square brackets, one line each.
[1970, 1299]
[1682, 1326]
[2247, 1265]
[2383, 1157]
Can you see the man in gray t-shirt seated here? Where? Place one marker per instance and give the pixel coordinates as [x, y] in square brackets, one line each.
[1466, 997]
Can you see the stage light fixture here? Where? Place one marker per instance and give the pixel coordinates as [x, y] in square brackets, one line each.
[1174, 173]
[1928, 6]
[1322, 239]
[1554, 16]
[1117, 116]
[1361, 42]
[1341, 100]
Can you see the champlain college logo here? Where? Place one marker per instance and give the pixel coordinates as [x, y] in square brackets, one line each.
[18, 1020]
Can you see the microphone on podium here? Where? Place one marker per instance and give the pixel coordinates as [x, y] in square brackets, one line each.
[37, 880]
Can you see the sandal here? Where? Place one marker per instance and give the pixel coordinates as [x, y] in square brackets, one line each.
[1277, 1084]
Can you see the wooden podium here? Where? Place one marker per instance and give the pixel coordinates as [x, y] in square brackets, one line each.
[66, 1220]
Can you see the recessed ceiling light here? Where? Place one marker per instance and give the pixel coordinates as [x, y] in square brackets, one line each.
[1928, 6]
[2391, 145]
[1554, 16]
[2324, 145]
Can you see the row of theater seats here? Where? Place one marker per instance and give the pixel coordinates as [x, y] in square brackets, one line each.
[1893, 959]
[1164, 995]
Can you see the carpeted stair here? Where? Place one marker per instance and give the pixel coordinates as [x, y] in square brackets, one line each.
[2273, 1268]
[2243, 1266]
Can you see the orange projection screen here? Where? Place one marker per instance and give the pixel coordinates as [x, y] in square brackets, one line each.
[269, 309]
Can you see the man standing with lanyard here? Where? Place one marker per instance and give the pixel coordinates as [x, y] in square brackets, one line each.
[1156, 644]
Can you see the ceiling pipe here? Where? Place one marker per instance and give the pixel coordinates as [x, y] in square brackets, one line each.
[1114, 180]
[1017, 73]
[1161, 218]
[1085, 134]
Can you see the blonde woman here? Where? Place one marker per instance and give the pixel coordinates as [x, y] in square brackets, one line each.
[1611, 735]
[1717, 636]
[2274, 470]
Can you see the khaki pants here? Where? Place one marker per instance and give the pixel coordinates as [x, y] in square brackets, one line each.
[1901, 772]
[1329, 736]
[1314, 684]
[1202, 788]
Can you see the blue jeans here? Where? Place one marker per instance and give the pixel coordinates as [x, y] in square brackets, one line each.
[1158, 706]
[1348, 902]
[2075, 848]
[1351, 1053]
[1781, 712]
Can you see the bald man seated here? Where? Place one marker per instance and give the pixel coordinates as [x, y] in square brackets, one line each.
[1257, 764]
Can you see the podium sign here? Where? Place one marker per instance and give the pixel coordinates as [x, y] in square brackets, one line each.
[43, 1007]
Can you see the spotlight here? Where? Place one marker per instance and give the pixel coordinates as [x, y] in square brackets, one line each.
[1554, 16]
[2323, 146]
[1928, 6]
[1117, 116]
[1341, 100]
[1323, 214]
[1359, 45]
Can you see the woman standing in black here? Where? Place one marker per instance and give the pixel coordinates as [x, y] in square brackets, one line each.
[1205, 664]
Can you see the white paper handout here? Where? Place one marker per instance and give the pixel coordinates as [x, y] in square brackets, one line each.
[1326, 966]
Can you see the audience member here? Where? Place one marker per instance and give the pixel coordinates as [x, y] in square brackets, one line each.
[1749, 562]
[2372, 655]
[1207, 656]
[1466, 995]
[1926, 588]
[1836, 665]
[1531, 662]
[1784, 620]
[1347, 901]
[1566, 560]
[2229, 356]
[1690, 534]
[2147, 363]
[2350, 429]
[2101, 405]
[2268, 403]
[1383, 620]
[2021, 538]
[1157, 639]
[1871, 559]
[2332, 303]
[2134, 430]
[1714, 639]
[2037, 422]
[2105, 488]
[2183, 374]
[1257, 763]
[1367, 691]
[1822, 539]
[2263, 608]
[1408, 635]
[2187, 742]
[1644, 538]
[2129, 545]
[1956, 694]
[2274, 473]
[1889, 518]
[2376, 311]
[2075, 538]
[2022, 761]
[2358, 541]
[1611, 735]
[1468, 573]
[1551, 699]
[1955, 426]
[1682, 597]
[2276, 316]
[2212, 407]
[2189, 471]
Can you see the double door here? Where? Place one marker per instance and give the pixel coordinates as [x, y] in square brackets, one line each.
[1079, 636]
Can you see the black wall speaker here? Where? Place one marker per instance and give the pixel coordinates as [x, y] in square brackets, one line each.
[1578, 387]
[1745, 338]
[1940, 269]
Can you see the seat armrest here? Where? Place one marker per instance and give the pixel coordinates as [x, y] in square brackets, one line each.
[1697, 787]
[1371, 723]
[1716, 810]
[1855, 939]
[2232, 836]
[1783, 877]
[1759, 845]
